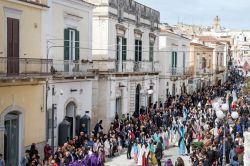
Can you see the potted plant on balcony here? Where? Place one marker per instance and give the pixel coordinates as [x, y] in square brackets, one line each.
[84, 61]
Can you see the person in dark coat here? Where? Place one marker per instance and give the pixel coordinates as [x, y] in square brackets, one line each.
[98, 128]
[159, 151]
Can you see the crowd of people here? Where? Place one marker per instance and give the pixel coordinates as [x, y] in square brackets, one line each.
[181, 121]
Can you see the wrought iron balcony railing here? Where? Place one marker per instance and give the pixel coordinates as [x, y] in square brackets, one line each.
[125, 66]
[181, 71]
[21, 67]
[71, 68]
[203, 71]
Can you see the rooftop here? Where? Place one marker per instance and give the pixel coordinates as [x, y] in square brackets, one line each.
[42, 3]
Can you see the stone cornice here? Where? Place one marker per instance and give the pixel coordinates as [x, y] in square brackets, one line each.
[138, 31]
[121, 27]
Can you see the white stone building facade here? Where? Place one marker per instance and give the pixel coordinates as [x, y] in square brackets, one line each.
[174, 62]
[69, 43]
[125, 45]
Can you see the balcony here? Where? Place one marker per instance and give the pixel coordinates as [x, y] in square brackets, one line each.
[68, 68]
[128, 66]
[220, 69]
[203, 71]
[24, 67]
[180, 71]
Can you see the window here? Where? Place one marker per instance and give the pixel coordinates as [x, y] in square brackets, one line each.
[217, 59]
[151, 51]
[71, 44]
[13, 45]
[203, 63]
[245, 39]
[174, 59]
[138, 50]
[121, 42]
[184, 60]
[72, 36]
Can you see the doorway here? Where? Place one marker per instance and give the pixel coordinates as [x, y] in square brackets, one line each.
[173, 89]
[70, 117]
[11, 138]
[118, 106]
[137, 98]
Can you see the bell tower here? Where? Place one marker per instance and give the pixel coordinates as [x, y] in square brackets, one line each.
[216, 24]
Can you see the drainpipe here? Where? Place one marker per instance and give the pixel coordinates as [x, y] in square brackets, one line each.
[52, 125]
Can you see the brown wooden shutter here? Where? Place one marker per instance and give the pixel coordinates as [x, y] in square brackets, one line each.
[12, 46]
[15, 38]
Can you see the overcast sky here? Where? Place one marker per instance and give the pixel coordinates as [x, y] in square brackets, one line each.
[234, 14]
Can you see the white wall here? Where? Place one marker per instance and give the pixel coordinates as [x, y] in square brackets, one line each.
[80, 18]
[82, 98]
[169, 42]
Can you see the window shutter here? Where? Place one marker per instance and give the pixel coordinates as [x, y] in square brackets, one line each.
[140, 50]
[117, 48]
[124, 49]
[77, 45]
[66, 44]
[173, 59]
[136, 50]
[151, 52]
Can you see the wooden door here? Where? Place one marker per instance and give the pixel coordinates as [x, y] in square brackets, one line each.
[12, 46]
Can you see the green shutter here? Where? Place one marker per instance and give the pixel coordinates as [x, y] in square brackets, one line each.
[117, 48]
[66, 44]
[124, 49]
[77, 45]
[173, 59]
[140, 50]
[136, 50]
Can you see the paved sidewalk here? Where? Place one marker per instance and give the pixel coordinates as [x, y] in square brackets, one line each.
[171, 153]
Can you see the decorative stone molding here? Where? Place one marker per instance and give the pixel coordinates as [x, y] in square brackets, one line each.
[2, 128]
[8, 110]
[71, 20]
[138, 33]
[118, 93]
[120, 30]
[138, 10]
[152, 37]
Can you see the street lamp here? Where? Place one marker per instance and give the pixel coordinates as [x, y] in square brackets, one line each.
[216, 106]
[234, 115]
[221, 115]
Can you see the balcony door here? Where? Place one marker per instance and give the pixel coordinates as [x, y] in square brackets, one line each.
[121, 54]
[12, 46]
[138, 54]
[71, 50]
[174, 63]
